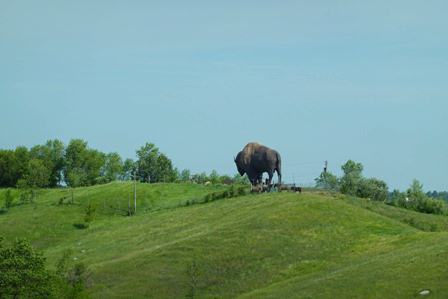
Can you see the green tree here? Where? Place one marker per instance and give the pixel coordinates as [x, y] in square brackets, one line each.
[351, 178]
[9, 174]
[22, 158]
[129, 167]
[147, 162]
[214, 177]
[37, 175]
[52, 155]
[164, 170]
[23, 273]
[185, 175]
[113, 167]
[327, 180]
[396, 197]
[373, 188]
[82, 164]
[415, 191]
[153, 166]
[200, 178]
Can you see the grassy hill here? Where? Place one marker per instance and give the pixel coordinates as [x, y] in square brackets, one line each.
[279, 245]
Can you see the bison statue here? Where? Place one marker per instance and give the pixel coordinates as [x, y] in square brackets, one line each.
[255, 159]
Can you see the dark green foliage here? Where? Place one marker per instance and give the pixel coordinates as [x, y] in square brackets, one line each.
[37, 175]
[13, 166]
[23, 273]
[8, 172]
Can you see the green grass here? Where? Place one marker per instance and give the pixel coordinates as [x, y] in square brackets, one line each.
[279, 245]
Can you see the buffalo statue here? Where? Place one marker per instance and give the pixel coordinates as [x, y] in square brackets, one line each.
[255, 159]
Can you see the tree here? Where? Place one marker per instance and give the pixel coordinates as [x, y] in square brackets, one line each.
[351, 178]
[147, 162]
[415, 191]
[185, 175]
[52, 155]
[22, 157]
[200, 178]
[37, 175]
[372, 188]
[153, 166]
[113, 167]
[396, 197]
[82, 164]
[8, 169]
[164, 170]
[214, 177]
[129, 167]
[327, 180]
[23, 273]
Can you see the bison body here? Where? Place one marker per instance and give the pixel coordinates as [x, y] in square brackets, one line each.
[255, 159]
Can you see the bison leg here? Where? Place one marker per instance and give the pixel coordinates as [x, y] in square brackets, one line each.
[271, 174]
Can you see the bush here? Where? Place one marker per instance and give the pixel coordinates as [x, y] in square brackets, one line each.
[23, 272]
[9, 199]
[374, 189]
[429, 206]
[90, 213]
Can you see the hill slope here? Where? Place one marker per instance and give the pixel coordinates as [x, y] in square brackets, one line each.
[279, 245]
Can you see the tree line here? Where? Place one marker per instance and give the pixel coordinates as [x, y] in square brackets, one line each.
[55, 164]
[354, 183]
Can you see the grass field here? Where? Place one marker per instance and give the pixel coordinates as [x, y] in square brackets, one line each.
[278, 245]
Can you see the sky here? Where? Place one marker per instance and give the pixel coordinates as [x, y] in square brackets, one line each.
[315, 80]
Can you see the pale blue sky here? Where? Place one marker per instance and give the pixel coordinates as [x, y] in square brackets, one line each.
[316, 80]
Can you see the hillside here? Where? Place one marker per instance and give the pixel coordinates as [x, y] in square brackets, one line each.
[279, 245]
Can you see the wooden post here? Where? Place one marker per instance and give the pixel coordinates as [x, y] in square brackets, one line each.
[135, 192]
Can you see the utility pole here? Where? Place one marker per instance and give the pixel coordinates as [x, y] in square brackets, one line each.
[135, 192]
[325, 166]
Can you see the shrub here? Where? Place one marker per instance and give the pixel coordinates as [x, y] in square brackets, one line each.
[9, 199]
[374, 189]
[23, 272]
[90, 213]
[429, 206]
